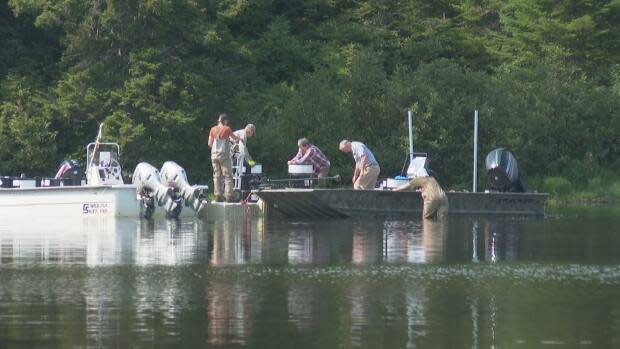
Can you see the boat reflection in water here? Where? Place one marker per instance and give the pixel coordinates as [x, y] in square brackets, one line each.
[108, 241]
[406, 308]
[170, 242]
[92, 241]
[100, 241]
[492, 240]
[420, 242]
[306, 245]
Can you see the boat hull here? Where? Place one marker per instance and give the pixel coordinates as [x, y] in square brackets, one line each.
[337, 203]
[76, 201]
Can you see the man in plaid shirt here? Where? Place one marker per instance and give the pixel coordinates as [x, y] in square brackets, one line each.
[310, 154]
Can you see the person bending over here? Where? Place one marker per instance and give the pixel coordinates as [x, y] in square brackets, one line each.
[435, 199]
[310, 154]
[366, 166]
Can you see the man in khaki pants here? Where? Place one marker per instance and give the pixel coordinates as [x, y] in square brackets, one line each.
[219, 142]
[366, 166]
[435, 199]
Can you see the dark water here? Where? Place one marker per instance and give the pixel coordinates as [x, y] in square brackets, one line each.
[469, 282]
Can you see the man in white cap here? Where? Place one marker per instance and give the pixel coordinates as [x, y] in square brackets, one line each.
[240, 148]
[366, 166]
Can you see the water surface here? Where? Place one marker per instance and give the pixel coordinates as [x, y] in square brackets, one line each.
[468, 282]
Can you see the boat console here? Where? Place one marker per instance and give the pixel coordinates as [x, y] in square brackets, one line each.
[103, 164]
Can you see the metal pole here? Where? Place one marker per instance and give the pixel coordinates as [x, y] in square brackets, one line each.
[410, 117]
[475, 182]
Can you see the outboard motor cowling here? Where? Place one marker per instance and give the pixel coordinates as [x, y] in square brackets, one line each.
[503, 172]
[70, 172]
[150, 187]
[174, 176]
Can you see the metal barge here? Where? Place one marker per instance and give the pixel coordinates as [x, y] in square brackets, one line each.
[340, 203]
[505, 195]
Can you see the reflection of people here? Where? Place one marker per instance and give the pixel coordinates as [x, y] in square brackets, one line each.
[219, 143]
[240, 147]
[435, 199]
[434, 234]
[229, 313]
[366, 166]
[310, 154]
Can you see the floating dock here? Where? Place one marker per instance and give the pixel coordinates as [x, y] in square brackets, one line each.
[231, 211]
[339, 203]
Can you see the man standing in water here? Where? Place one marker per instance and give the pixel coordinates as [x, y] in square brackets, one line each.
[219, 142]
[366, 166]
[435, 199]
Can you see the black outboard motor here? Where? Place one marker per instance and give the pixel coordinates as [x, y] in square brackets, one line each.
[69, 172]
[503, 172]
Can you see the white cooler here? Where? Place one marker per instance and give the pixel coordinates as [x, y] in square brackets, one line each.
[393, 183]
[256, 169]
[300, 169]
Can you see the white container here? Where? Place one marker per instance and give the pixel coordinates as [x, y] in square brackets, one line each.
[393, 183]
[26, 183]
[417, 167]
[300, 169]
[257, 169]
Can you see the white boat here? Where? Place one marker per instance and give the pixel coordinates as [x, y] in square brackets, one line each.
[103, 193]
[70, 201]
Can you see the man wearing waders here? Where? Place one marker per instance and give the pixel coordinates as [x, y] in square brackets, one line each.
[435, 199]
[219, 142]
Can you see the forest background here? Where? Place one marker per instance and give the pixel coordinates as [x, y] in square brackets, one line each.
[544, 74]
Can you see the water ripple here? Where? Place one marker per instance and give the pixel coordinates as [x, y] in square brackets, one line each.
[603, 274]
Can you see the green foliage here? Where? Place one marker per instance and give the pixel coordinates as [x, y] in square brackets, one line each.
[614, 190]
[26, 143]
[557, 186]
[543, 74]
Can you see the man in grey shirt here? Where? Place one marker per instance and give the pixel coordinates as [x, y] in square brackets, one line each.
[366, 166]
[242, 147]
[240, 152]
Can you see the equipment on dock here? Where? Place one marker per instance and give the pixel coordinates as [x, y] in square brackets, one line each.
[267, 183]
[301, 176]
[302, 170]
[244, 177]
[503, 173]
[174, 176]
[151, 190]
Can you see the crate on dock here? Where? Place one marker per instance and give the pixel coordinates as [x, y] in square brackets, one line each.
[6, 182]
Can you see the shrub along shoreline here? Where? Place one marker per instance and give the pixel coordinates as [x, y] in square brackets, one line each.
[596, 191]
